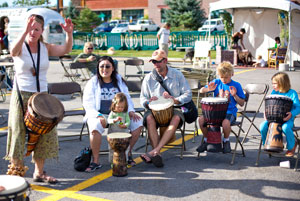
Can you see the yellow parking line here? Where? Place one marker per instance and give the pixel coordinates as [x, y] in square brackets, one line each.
[71, 192]
[244, 71]
[3, 128]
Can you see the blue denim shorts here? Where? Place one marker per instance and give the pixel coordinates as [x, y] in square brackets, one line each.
[231, 118]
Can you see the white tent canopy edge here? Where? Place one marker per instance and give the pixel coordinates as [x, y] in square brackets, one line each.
[259, 18]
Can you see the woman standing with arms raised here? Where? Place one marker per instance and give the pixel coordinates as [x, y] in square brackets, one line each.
[31, 58]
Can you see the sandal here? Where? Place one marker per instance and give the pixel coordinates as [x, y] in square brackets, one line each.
[157, 160]
[44, 178]
[130, 161]
[146, 158]
[93, 167]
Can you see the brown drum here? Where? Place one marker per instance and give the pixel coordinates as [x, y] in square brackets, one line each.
[43, 113]
[214, 112]
[162, 110]
[119, 142]
[276, 107]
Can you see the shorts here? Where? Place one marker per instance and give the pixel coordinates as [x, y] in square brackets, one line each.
[94, 124]
[231, 118]
[176, 112]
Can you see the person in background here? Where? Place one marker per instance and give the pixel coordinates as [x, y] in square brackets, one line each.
[89, 58]
[236, 37]
[277, 42]
[163, 37]
[282, 86]
[260, 62]
[25, 52]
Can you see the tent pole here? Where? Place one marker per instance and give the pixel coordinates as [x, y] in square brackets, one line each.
[209, 23]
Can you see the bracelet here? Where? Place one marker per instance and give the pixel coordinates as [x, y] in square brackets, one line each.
[87, 59]
[100, 115]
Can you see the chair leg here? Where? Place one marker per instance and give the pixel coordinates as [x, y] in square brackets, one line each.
[259, 151]
[297, 157]
[147, 141]
[237, 141]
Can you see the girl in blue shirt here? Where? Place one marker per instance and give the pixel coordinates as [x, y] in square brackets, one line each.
[281, 85]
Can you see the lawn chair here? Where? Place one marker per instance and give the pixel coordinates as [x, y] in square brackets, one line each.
[72, 75]
[277, 57]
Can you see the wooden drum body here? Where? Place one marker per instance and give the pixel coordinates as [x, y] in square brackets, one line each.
[214, 112]
[276, 107]
[43, 113]
[15, 188]
[119, 142]
[162, 110]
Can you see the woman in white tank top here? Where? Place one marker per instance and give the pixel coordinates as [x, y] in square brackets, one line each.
[25, 51]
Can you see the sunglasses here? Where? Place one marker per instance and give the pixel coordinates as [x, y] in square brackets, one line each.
[157, 62]
[105, 66]
[90, 48]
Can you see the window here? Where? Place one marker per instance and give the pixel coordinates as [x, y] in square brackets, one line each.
[132, 15]
[163, 15]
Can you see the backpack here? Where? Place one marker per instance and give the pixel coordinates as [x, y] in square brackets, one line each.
[82, 161]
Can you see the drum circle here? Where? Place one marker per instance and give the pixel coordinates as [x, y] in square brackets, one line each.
[15, 188]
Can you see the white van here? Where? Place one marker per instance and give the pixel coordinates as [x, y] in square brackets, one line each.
[212, 25]
[53, 33]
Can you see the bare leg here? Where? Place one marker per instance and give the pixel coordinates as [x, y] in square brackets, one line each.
[226, 128]
[152, 131]
[167, 135]
[39, 166]
[95, 142]
[201, 124]
[135, 136]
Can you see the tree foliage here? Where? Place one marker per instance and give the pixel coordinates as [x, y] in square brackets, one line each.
[186, 14]
[86, 21]
[5, 4]
[30, 2]
[71, 12]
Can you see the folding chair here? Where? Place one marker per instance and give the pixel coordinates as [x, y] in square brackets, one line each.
[139, 64]
[82, 67]
[72, 76]
[254, 89]
[195, 85]
[2, 86]
[68, 88]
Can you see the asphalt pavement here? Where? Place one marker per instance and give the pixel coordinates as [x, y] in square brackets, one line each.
[209, 177]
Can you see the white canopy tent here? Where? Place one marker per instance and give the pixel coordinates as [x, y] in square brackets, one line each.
[260, 20]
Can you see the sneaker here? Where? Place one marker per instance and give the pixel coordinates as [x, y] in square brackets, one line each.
[290, 153]
[202, 147]
[226, 147]
[93, 167]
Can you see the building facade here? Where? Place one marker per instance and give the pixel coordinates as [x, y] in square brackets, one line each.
[130, 10]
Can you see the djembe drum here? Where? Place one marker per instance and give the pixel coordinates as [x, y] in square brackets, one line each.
[43, 113]
[15, 188]
[162, 110]
[214, 112]
[276, 107]
[119, 142]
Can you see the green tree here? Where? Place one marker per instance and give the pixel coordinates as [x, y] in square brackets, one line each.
[30, 2]
[71, 11]
[86, 21]
[186, 14]
[5, 4]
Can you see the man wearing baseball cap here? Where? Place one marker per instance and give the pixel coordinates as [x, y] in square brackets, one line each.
[169, 83]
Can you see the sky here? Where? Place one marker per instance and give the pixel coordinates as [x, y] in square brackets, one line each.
[53, 2]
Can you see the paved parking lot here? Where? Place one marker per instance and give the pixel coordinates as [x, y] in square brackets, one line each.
[209, 177]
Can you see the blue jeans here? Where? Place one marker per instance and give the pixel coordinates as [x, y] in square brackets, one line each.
[286, 129]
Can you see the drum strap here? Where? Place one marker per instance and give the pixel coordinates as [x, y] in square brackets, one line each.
[160, 80]
[37, 66]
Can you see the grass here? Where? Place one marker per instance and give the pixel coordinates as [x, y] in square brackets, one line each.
[142, 53]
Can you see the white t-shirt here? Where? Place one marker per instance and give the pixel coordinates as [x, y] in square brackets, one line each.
[164, 35]
[23, 65]
[262, 62]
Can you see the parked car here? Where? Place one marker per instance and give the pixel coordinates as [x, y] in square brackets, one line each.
[214, 25]
[144, 25]
[104, 27]
[121, 28]
[116, 22]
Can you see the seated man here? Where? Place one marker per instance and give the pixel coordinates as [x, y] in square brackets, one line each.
[181, 93]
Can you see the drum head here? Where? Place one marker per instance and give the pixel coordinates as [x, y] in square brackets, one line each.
[214, 100]
[161, 103]
[278, 97]
[118, 135]
[12, 184]
[47, 106]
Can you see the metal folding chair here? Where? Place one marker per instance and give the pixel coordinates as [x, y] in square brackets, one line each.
[139, 64]
[68, 88]
[2, 86]
[254, 89]
[75, 66]
[72, 75]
